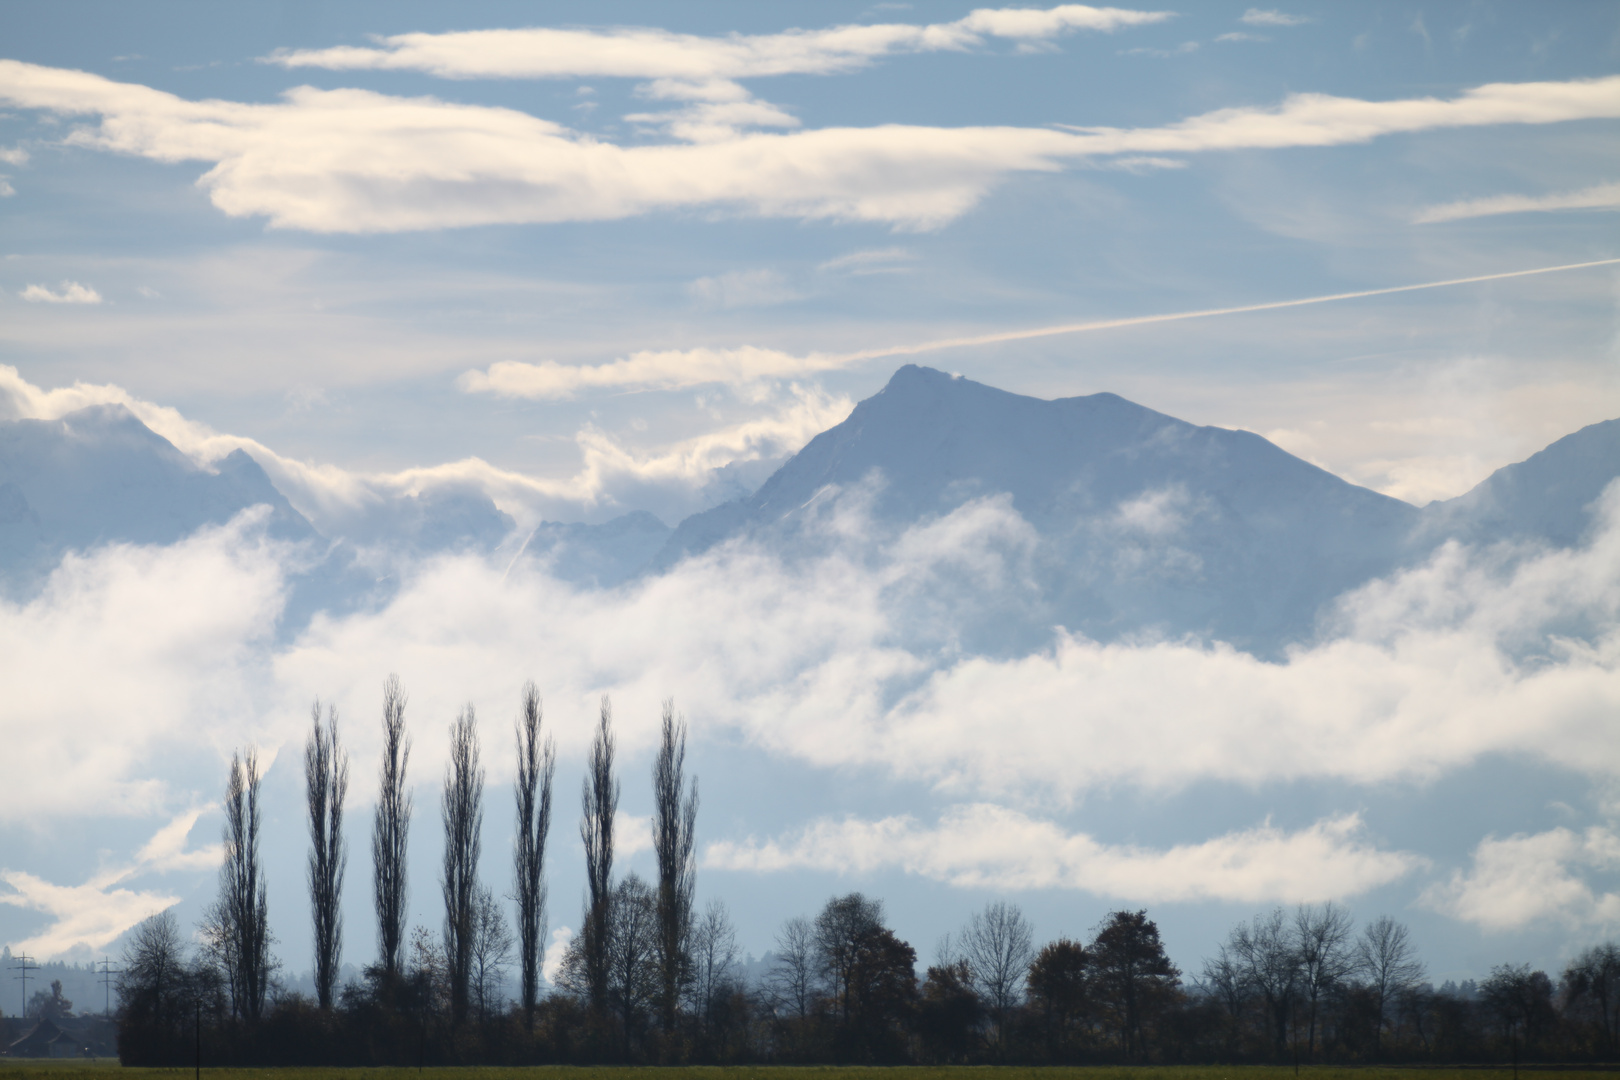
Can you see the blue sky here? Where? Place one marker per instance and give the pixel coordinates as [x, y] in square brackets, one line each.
[619, 258]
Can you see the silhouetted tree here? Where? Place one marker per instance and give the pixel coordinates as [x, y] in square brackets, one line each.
[390, 834]
[841, 930]
[1322, 937]
[792, 977]
[1520, 1001]
[998, 945]
[537, 763]
[674, 833]
[1133, 977]
[243, 906]
[1059, 989]
[1386, 961]
[50, 1004]
[462, 811]
[949, 1012]
[491, 952]
[326, 785]
[632, 955]
[713, 962]
[1270, 963]
[599, 802]
[1592, 984]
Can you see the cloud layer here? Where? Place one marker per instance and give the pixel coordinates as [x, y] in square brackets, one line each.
[994, 847]
[353, 160]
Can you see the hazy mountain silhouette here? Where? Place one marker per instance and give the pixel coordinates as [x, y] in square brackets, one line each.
[1146, 523]
[1546, 497]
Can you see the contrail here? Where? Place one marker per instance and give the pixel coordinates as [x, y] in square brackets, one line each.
[1109, 324]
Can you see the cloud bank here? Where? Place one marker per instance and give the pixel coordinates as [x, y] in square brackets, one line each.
[988, 846]
[356, 161]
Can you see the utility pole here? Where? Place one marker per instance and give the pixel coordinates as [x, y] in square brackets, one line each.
[24, 964]
[107, 973]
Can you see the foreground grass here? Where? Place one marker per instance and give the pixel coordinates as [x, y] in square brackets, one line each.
[100, 1068]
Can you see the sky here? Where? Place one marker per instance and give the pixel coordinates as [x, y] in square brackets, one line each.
[599, 258]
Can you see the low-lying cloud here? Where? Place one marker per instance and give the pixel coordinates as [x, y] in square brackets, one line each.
[993, 847]
[852, 658]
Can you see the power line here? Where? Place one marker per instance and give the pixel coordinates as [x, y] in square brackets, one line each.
[24, 964]
[107, 973]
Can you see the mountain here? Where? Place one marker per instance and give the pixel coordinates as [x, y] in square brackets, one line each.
[598, 555]
[1146, 523]
[1546, 497]
[99, 475]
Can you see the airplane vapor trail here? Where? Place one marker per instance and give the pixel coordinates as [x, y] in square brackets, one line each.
[1109, 324]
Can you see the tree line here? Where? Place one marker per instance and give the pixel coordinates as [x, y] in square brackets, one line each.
[650, 979]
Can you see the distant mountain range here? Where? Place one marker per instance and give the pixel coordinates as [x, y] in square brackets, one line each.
[1139, 523]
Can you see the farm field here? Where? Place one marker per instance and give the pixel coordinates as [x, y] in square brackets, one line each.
[102, 1068]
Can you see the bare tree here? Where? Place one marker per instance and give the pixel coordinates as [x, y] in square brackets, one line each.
[463, 814]
[1322, 936]
[632, 954]
[390, 832]
[537, 763]
[1384, 956]
[599, 802]
[154, 967]
[326, 785]
[674, 824]
[998, 945]
[714, 955]
[1270, 963]
[792, 979]
[242, 890]
[491, 952]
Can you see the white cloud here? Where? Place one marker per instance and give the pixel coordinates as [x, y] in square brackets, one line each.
[71, 293]
[13, 155]
[6, 190]
[845, 659]
[983, 846]
[1596, 197]
[1238, 35]
[1272, 17]
[339, 501]
[93, 914]
[1528, 879]
[631, 833]
[205, 610]
[355, 161]
[695, 61]
[556, 951]
[668, 369]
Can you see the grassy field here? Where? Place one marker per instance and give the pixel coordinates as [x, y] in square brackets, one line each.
[100, 1069]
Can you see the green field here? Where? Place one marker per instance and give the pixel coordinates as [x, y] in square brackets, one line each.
[100, 1068]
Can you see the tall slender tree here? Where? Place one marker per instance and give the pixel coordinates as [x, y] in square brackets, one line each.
[599, 802]
[674, 824]
[390, 832]
[243, 906]
[537, 762]
[326, 785]
[463, 813]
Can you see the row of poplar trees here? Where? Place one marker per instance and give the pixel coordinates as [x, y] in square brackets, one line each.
[236, 928]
